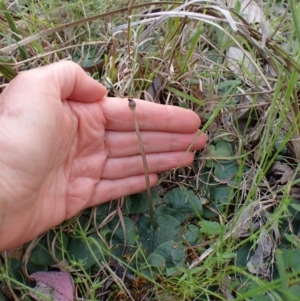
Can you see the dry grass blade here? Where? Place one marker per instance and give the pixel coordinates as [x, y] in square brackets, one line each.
[47, 32]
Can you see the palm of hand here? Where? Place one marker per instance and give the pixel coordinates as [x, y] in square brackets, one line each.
[56, 161]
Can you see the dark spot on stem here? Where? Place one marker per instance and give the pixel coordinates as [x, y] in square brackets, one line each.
[131, 104]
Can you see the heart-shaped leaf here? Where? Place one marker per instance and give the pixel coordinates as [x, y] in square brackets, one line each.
[210, 228]
[192, 235]
[156, 261]
[220, 194]
[120, 240]
[41, 255]
[291, 258]
[174, 255]
[180, 199]
[181, 214]
[139, 202]
[226, 171]
[129, 237]
[221, 152]
[87, 250]
[167, 228]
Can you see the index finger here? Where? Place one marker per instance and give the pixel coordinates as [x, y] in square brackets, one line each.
[60, 80]
[150, 116]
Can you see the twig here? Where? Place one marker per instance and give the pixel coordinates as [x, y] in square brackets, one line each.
[118, 280]
[132, 106]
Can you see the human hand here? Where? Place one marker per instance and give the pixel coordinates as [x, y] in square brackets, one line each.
[64, 147]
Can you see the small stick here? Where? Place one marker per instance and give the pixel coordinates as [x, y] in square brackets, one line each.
[132, 106]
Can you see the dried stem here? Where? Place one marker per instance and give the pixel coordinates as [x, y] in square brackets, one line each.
[132, 106]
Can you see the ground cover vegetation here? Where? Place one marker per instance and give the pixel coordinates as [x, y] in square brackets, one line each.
[227, 227]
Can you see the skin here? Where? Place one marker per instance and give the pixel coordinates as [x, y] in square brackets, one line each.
[65, 146]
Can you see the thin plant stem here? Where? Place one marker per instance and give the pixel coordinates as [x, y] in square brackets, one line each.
[132, 106]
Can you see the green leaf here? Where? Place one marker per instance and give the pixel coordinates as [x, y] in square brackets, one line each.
[32, 268]
[183, 105]
[102, 212]
[220, 194]
[192, 235]
[226, 171]
[228, 255]
[220, 152]
[174, 255]
[213, 55]
[210, 228]
[221, 149]
[87, 250]
[295, 206]
[15, 269]
[146, 233]
[88, 57]
[293, 239]
[156, 261]
[228, 83]
[280, 145]
[181, 214]
[181, 197]
[168, 228]
[41, 255]
[180, 203]
[243, 254]
[295, 291]
[208, 214]
[249, 286]
[296, 215]
[223, 135]
[139, 202]
[281, 269]
[290, 259]
[127, 206]
[130, 231]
